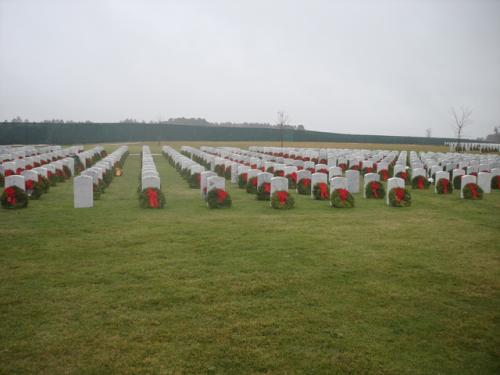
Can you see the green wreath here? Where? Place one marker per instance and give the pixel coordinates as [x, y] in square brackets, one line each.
[264, 192]
[399, 197]
[304, 186]
[375, 189]
[36, 189]
[443, 186]
[472, 191]
[14, 197]
[495, 182]
[252, 185]
[282, 200]
[419, 183]
[457, 182]
[242, 180]
[320, 191]
[341, 198]
[218, 198]
[151, 198]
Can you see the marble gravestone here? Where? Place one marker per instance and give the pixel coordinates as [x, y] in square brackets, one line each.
[83, 192]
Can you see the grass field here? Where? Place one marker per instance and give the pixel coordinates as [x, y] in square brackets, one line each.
[248, 290]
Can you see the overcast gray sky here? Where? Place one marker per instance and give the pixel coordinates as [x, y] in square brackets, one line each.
[371, 67]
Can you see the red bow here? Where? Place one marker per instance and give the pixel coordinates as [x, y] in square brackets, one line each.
[280, 173]
[19, 170]
[343, 194]
[293, 176]
[267, 187]
[263, 169]
[306, 182]
[445, 183]
[9, 172]
[254, 181]
[49, 174]
[299, 168]
[221, 196]
[244, 177]
[28, 167]
[323, 190]
[374, 185]
[368, 169]
[399, 194]
[43, 162]
[29, 184]
[473, 191]
[253, 166]
[420, 182]
[402, 175]
[153, 197]
[58, 172]
[11, 196]
[282, 196]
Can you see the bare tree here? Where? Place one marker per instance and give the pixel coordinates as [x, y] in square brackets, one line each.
[462, 118]
[428, 132]
[282, 121]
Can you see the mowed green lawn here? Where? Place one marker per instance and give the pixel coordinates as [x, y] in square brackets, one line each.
[249, 290]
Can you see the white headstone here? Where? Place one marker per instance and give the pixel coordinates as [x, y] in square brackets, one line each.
[150, 181]
[466, 179]
[440, 175]
[203, 182]
[484, 181]
[263, 177]
[369, 177]
[352, 181]
[83, 192]
[15, 180]
[279, 184]
[394, 182]
[215, 182]
[338, 183]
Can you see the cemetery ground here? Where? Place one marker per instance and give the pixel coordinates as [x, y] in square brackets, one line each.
[121, 290]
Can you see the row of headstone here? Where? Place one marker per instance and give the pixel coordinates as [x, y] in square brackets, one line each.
[91, 179]
[14, 163]
[37, 153]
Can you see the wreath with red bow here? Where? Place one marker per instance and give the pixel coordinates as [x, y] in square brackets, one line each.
[399, 197]
[44, 182]
[366, 170]
[14, 197]
[472, 191]
[495, 182]
[52, 178]
[34, 189]
[343, 166]
[242, 180]
[280, 173]
[341, 198]
[282, 200]
[264, 192]
[419, 182]
[320, 191]
[194, 180]
[457, 182]
[220, 169]
[218, 198]
[443, 186]
[375, 189]
[292, 180]
[9, 172]
[227, 173]
[384, 174]
[60, 175]
[304, 186]
[151, 198]
[405, 176]
[252, 185]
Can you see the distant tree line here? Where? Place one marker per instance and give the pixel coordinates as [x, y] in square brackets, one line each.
[191, 121]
